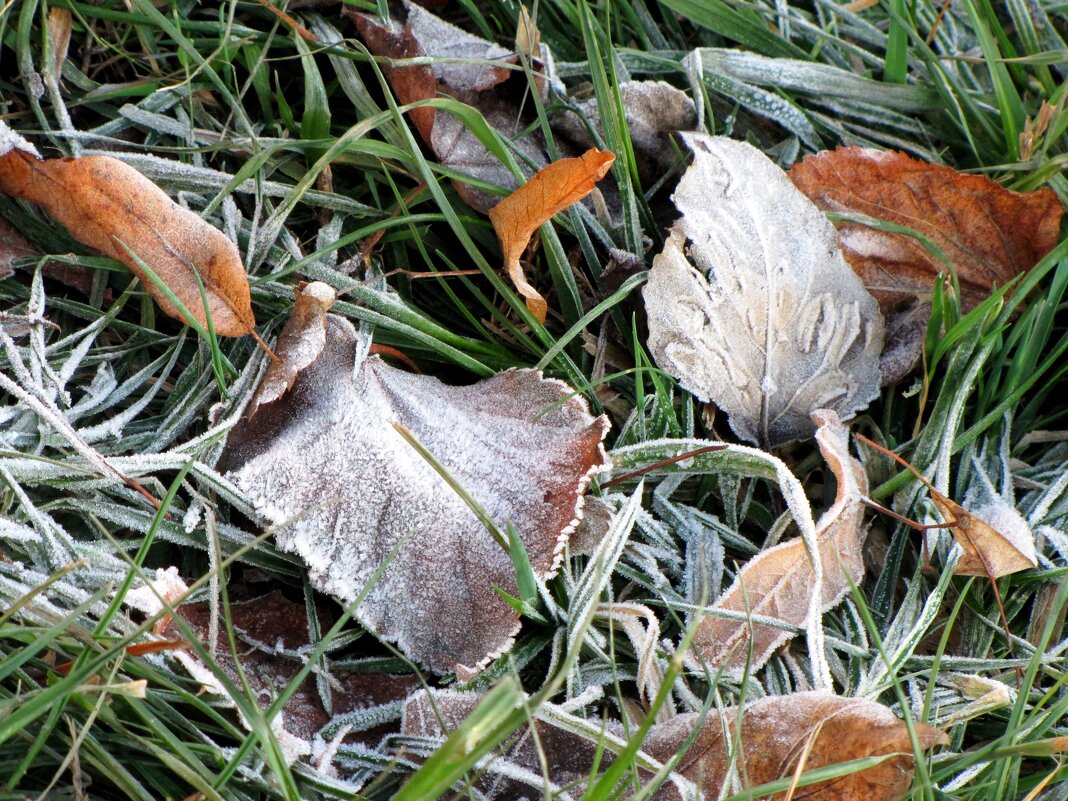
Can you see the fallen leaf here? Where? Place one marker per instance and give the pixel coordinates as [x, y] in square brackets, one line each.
[751, 305]
[995, 538]
[989, 233]
[464, 67]
[15, 246]
[653, 111]
[774, 733]
[111, 207]
[553, 189]
[780, 582]
[302, 340]
[325, 464]
[776, 730]
[272, 637]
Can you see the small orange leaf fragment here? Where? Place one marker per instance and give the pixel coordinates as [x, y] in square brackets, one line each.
[551, 190]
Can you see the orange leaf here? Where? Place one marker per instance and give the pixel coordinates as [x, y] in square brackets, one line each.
[989, 233]
[110, 206]
[551, 190]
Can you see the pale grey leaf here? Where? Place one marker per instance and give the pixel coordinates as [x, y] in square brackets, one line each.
[751, 304]
[325, 463]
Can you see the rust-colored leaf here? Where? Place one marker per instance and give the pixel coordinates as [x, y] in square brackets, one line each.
[551, 190]
[325, 464]
[780, 582]
[111, 207]
[775, 731]
[989, 233]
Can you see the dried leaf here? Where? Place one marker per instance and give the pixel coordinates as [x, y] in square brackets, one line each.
[989, 233]
[653, 110]
[466, 68]
[776, 730]
[110, 206]
[771, 324]
[553, 189]
[996, 540]
[780, 582]
[302, 340]
[14, 246]
[774, 733]
[272, 635]
[326, 461]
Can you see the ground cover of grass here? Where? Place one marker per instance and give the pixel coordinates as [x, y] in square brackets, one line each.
[226, 108]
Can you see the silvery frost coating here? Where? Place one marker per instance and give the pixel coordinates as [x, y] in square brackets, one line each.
[751, 304]
[326, 465]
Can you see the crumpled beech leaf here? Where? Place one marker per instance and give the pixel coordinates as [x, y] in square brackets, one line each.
[779, 582]
[751, 305]
[272, 636]
[325, 464]
[774, 733]
[551, 190]
[989, 233]
[111, 207]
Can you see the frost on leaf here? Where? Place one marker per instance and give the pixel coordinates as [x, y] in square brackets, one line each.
[325, 464]
[781, 582]
[775, 733]
[751, 305]
[989, 234]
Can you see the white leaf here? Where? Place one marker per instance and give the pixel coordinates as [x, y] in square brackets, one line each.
[761, 314]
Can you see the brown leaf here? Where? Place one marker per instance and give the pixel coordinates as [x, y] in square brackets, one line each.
[989, 233]
[776, 730]
[107, 205]
[300, 343]
[553, 189]
[462, 67]
[996, 540]
[326, 461]
[780, 582]
[272, 634]
[774, 733]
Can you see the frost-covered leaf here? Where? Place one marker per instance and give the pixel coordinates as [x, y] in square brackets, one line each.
[777, 731]
[550, 191]
[113, 208]
[326, 465]
[780, 583]
[989, 234]
[653, 110]
[464, 67]
[751, 305]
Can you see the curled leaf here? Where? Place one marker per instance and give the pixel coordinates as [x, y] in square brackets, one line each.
[111, 207]
[751, 305]
[301, 341]
[551, 190]
[780, 583]
[326, 464]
